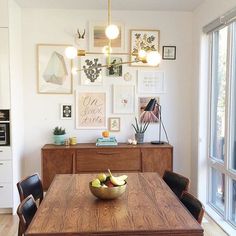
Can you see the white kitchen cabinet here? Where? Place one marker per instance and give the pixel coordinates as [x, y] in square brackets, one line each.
[4, 70]
[6, 195]
[3, 13]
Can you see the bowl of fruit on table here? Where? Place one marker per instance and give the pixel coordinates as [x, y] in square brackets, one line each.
[108, 186]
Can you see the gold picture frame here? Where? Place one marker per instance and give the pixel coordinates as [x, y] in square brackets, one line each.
[53, 69]
[143, 39]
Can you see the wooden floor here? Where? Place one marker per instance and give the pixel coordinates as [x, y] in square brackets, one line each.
[9, 226]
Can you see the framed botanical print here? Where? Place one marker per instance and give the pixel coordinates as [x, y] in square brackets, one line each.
[123, 99]
[148, 40]
[66, 111]
[90, 76]
[98, 38]
[169, 52]
[151, 82]
[148, 116]
[114, 124]
[90, 110]
[54, 69]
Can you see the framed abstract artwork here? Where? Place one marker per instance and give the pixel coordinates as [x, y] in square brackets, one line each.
[91, 76]
[98, 39]
[148, 116]
[151, 82]
[91, 110]
[123, 99]
[66, 111]
[169, 52]
[114, 124]
[54, 69]
[148, 40]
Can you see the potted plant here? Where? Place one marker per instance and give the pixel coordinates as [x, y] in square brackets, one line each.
[59, 135]
[140, 130]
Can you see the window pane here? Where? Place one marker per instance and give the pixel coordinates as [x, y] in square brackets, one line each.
[219, 59]
[217, 189]
[233, 202]
[233, 104]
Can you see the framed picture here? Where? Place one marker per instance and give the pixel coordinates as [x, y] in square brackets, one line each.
[91, 110]
[143, 39]
[66, 111]
[98, 38]
[169, 52]
[54, 69]
[94, 76]
[114, 124]
[150, 116]
[151, 82]
[123, 99]
[115, 70]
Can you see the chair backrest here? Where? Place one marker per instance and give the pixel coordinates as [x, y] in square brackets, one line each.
[31, 185]
[194, 206]
[176, 182]
[26, 211]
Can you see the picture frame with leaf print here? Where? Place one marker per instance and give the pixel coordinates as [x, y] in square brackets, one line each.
[88, 76]
[148, 40]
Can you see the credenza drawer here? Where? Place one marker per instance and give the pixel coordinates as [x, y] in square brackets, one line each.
[5, 171]
[5, 195]
[5, 153]
[102, 159]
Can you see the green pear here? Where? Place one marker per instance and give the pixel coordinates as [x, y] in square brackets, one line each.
[102, 177]
[96, 183]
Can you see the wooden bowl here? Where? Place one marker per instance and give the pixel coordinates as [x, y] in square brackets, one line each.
[107, 193]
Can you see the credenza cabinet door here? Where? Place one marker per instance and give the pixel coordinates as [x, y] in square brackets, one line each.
[99, 160]
[4, 70]
[59, 161]
[157, 160]
[3, 13]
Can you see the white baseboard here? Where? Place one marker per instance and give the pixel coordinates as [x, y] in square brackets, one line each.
[5, 210]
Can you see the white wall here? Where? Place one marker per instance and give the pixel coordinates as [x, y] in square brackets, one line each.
[204, 14]
[42, 111]
[16, 80]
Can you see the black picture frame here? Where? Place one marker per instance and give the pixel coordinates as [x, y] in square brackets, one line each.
[169, 52]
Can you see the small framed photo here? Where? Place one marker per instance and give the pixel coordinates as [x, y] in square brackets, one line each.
[169, 52]
[116, 67]
[66, 111]
[114, 124]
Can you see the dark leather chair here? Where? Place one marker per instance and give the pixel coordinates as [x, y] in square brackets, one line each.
[193, 205]
[26, 211]
[177, 183]
[31, 185]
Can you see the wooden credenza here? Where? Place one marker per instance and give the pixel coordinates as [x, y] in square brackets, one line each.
[88, 158]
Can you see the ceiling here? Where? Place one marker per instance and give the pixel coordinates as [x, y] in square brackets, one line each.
[162, 5]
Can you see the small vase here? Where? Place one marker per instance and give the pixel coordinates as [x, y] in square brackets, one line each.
[59, 139]
[139, 137]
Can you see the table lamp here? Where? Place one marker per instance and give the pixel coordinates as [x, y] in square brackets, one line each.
[150, 108]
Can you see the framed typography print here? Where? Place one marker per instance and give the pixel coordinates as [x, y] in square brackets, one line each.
[147, 40]
[90, 110]
[151, 82]
[169, 52]
[123, 99]
[98, 38]
[66, 111]
[90, 76]
[148, 116]
[54, 69]
[114, 124]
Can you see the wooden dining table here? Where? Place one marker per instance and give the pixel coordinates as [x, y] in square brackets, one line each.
[148, 207]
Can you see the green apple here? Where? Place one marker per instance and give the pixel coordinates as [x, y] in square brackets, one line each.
[102, 177]
[96, 183]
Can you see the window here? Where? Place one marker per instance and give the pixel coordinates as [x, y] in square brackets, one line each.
[222, 133]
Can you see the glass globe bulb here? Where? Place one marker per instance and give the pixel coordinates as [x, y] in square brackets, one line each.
[74, 71]
[112, 31]
[142, 54]
[71, 52]
[153, 58]
[106, 50]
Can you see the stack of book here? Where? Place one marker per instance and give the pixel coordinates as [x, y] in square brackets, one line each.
[110, 141]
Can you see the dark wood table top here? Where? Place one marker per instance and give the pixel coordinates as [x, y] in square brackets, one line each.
[148, 207]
